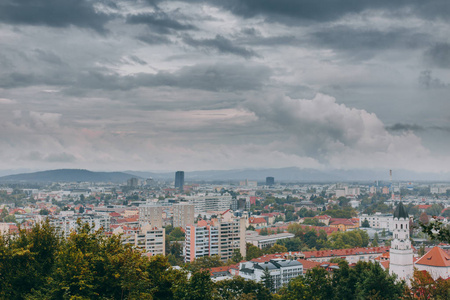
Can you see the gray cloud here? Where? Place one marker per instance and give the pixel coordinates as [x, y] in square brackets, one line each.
[53, 13]
[136, 59]
[329, 10]
[159, 21]
[221, 44]
[405, 127]
[366, 42]
[218, 77]
[439, 55]
[153, 39]
[426, 80]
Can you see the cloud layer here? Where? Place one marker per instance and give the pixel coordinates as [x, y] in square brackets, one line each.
[207, 84]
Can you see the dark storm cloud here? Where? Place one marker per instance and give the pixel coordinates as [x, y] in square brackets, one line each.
[439, 55]
[218, 77]
[426, 80]
[330, 10]
[220, 44]
[48, 56]
[53, 13]
[399, 127]
[136, 59]
[344, 37]
[153, 39]
[159, 22]
[405, 127]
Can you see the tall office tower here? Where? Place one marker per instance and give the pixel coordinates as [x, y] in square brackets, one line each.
[401, 253]
[151, 214]
[270, 181]
[183, 214]
[179, 180]
[217, 237]
[132, 182]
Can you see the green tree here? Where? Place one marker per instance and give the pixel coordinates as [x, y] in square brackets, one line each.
[253, 252]
[296, 289]
[434, 210]
[206, 262]
[198, 287]
[437, 231]
[4, 213]
[10, 219]
[267, 280]
[319, 284]
[375, 240]
[365, 223]
[275, 249]
[376, 283]
[264, 231]
[44, 212]
[237, 256]
[239, 288]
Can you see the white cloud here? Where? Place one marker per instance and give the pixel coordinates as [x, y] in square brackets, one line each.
[343, 137]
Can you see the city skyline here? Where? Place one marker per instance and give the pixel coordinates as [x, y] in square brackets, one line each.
[211, 85]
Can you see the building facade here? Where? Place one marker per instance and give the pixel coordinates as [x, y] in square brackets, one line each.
[151, 215]
[149, 239]
[281, 270]
[217, 237]
[183, 214]
[179, 180]
[210, 202]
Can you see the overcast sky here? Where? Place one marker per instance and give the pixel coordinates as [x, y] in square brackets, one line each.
[201, 85]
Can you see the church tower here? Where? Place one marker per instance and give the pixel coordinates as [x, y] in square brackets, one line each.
[401, 253]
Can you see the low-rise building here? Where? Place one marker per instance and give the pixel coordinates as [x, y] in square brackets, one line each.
[263, 241]
[281, 270]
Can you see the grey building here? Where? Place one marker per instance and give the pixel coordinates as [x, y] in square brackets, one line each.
[179, 180]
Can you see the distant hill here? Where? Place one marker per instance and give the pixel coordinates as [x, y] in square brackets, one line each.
[68, 175]
[294, 174]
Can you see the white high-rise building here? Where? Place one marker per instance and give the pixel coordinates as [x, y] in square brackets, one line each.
[401, 253]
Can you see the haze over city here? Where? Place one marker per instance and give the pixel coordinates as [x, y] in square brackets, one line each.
[215, 85]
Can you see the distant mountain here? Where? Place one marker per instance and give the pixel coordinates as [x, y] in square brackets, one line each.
[294, 174]
[68, 175]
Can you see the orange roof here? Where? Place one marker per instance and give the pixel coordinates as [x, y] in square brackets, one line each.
[385, 264]
[343, 222]
[423, 206]
[308, 264]
[345, 252]
[267, 257]
[253, 220]
[435, 257]
[219, 269]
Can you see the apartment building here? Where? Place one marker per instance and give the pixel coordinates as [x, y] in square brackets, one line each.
[217, 237]
[151, 214]
[67, 224]
[183, 214]
[149, 239]
[210, 202]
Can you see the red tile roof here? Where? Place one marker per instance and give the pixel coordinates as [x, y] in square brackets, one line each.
[308, 264]
[435, 257]
[345, 252]
[254, 220]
